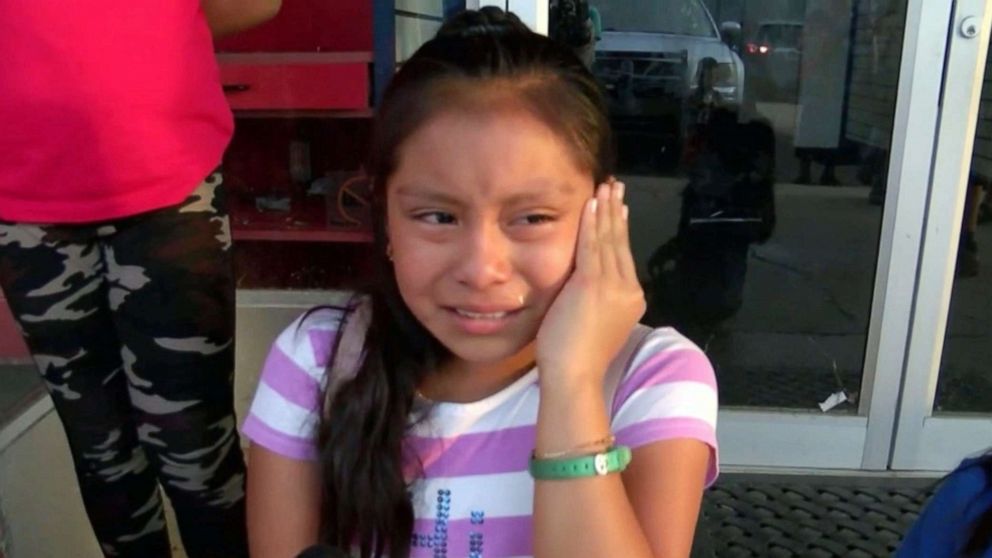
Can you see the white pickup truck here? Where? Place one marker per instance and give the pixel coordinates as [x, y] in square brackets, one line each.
[649, 58]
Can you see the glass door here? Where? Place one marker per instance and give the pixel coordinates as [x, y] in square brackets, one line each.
[946, 410]
[777, 157]
[798, 182]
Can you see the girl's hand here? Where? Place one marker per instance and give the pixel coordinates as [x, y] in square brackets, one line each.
[599, 304]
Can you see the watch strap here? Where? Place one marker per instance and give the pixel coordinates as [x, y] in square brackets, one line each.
[613, 460]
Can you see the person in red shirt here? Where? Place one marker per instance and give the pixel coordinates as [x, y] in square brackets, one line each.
[115, 255]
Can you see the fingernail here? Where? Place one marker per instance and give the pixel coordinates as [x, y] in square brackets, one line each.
[626, 212]
[618, 190]
[592, 206]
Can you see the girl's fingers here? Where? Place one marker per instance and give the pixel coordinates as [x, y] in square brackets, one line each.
[587, 249]
[604, 226]
[620, 258]
[604, 236]
[624, 259]
[628, 269]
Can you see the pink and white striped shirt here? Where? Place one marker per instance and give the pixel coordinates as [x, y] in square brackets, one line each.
[475, 495]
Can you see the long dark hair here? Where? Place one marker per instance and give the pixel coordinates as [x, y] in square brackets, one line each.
[366, 500]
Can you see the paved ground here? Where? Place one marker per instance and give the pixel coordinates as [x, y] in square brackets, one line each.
[801, 332]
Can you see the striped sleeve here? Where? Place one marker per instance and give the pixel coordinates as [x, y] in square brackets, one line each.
[284, 413]
[669, 391]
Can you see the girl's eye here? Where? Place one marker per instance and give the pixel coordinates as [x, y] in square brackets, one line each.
[436, 218]
[538, 219]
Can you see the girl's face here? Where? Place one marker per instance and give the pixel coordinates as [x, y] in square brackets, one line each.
[483, 214]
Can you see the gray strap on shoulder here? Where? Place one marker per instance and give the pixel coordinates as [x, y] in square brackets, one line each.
[620, 364]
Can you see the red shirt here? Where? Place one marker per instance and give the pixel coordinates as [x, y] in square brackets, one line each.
[107, 108]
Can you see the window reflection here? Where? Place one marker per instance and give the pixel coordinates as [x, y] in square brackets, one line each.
[965, 384]
[772, 57]
[672, 17]
[754, 137]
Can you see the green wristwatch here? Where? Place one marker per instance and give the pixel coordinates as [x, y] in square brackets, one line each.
[613, 460]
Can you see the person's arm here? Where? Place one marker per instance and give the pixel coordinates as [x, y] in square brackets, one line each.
[667, 505]
[650, 511]
[230, 16]
[283, 501]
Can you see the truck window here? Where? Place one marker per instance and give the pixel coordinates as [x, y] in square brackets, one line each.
[677, 17]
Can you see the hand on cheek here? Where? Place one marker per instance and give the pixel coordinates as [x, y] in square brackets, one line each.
[599, 304]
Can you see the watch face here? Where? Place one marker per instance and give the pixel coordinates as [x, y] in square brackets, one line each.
[601, 464]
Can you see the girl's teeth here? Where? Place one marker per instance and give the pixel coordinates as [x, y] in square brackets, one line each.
[481, 316]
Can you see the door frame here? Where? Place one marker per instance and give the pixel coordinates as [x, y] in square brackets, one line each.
[925, 441]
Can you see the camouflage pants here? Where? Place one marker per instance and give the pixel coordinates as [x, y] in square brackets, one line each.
[131, 322]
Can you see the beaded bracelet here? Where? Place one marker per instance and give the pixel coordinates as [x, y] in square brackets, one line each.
[604, 442]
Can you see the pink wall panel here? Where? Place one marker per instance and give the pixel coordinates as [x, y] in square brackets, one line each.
[309, 26]
[297, 86]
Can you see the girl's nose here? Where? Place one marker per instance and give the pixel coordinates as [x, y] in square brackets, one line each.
[483, 257]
